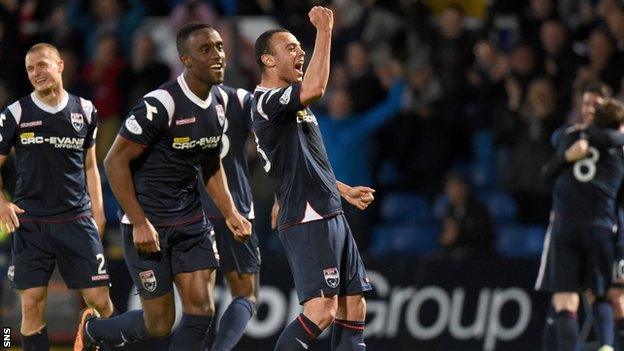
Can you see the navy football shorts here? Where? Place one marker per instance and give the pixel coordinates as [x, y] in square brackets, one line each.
[236, 256]
[183, 248]
[324, 259]
[74, 245]
[577, 257]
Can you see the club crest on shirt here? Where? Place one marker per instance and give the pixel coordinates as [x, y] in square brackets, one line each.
[77, 121]
[332, 278]
[220, 114]
[285, 98]
[148, 280]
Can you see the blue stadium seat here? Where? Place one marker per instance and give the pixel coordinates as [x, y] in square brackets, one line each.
[482, 147]
[404, 206]
[501, 206]
[439, 206]
[404, 240]
[520, 241]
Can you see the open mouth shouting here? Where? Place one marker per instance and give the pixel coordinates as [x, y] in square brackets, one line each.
[299, 67]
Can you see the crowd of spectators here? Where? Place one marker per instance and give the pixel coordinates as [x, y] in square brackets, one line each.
[412, 84]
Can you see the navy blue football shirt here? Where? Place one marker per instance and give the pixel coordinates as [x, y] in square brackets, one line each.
[290, 144]
[178, 130]
[234, 152]
[587, 191]
[50, 144]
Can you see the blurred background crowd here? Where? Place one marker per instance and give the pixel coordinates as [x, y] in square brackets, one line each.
[445, 107]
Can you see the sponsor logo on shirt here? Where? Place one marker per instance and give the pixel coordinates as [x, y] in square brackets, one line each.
[184, 121]
[31, 124]
[304, 117]
[133, 126]
[77, 121]
[29, 138]
[183, 143]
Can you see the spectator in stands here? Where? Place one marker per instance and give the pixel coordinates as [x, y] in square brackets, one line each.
[558, 60]
[57, 30]
[536, 13]
[421, 138]
[144, 73]
[93, 19]
[364, 86]
[103, 74]
[73, 80]
[452, 52]
[347, 136]
[467, 228]
[537, 119]
[602, 62]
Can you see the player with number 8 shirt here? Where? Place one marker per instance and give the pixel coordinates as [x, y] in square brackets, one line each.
[579, 245]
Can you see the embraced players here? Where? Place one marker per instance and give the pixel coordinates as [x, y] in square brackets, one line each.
[579, 248]
[328, 272]
[153, 169]
[57, 210]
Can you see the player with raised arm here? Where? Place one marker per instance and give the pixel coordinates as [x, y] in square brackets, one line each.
[328, 272]
[153, 169]
[239, 262]
[58, 210]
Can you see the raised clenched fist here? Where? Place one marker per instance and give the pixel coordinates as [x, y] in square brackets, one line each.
[322, 18]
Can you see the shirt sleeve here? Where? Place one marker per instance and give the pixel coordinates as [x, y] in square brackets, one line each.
[280, 103]
[146, 121]
[245, 99]
[92, 119]
[8, 130]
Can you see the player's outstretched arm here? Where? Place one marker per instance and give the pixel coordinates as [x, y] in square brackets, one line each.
[117, 166]
[316, 76]
[218, 190]
[94, 186]
[358, 196]
[8, 210]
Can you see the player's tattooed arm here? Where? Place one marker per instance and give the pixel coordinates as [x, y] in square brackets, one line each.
[8, 210]
[217, 188]
[95, 189]
[117, 166]
[358, 196]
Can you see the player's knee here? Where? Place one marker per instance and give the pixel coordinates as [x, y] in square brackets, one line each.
[159, 327]
[566, 301]
[32, 307]
[202, 308]
[322, 315]
[102, 304]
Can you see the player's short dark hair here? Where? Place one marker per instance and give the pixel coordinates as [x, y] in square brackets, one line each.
[41, 46]
[185, 32]
[598, 88]
[263, 45]
[609, 114]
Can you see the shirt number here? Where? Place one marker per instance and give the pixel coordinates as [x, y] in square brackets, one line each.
[585, 169]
